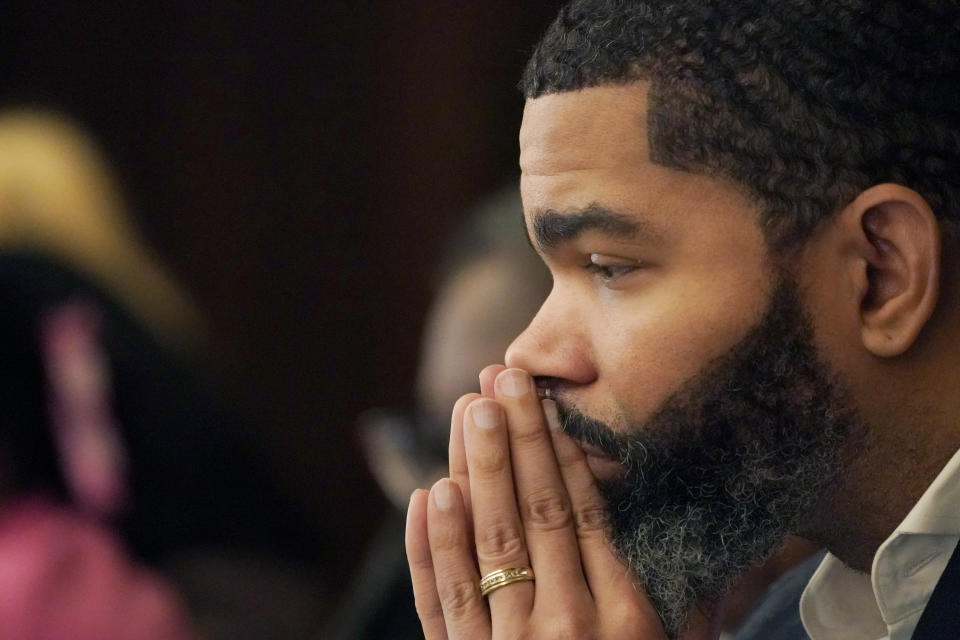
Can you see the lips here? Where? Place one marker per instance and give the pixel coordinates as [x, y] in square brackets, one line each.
[602, 466]
[591, 450]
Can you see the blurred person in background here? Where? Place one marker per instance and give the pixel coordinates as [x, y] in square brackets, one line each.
[132, 501]
[488, 287]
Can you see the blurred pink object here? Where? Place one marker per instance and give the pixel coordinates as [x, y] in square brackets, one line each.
[92, 456]
[65, 577]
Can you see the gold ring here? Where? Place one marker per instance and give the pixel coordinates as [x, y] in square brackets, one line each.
[502, 577]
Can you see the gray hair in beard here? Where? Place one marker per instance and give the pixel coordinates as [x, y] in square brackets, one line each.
[727, 466]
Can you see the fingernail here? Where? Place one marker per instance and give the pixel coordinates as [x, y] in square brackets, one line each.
[514, 383]
[550, 410]
[485, 413]
[443, 494]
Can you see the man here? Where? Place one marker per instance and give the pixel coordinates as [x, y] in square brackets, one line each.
[491, 284]
[750, 213]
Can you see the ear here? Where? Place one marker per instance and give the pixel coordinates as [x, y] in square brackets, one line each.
[899, 240]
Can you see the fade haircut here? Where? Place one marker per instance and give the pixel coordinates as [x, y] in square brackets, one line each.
[803, 103]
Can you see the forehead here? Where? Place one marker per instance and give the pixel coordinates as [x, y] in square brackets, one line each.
[589, 148]
[595, 127]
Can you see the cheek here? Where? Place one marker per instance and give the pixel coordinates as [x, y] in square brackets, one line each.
[838, 341]
[647, 349]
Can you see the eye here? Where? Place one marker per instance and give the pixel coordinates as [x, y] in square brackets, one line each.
[609, 268]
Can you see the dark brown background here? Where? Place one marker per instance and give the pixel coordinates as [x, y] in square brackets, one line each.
[298, 168]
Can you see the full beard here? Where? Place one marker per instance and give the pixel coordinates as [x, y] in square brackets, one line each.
[727, 467]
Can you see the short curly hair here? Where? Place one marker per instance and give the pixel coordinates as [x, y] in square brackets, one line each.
[805, 103]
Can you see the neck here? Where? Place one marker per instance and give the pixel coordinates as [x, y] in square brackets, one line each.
[883, 480]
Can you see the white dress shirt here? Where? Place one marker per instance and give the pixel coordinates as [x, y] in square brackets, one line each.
[840, 603]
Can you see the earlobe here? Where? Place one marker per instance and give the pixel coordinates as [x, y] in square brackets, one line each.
[902, 257]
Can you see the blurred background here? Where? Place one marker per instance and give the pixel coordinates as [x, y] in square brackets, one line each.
[298, 168]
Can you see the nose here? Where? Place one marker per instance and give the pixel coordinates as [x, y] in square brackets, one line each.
[555, 345]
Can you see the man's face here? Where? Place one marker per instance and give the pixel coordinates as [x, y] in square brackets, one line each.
[657, 272]
[675, 347]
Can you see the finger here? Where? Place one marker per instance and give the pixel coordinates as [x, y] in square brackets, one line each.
[464, 612]
[498, 532]
[425, 596]
[605, 573]
[457, 456]
[545, 506]
[487, 377]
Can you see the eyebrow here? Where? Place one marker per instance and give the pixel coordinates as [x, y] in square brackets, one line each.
[552, 229]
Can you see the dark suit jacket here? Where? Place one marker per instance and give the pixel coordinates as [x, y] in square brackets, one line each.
[941, 617]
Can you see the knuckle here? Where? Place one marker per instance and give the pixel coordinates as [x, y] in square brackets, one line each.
[420, 564]
[446, 539]
[457, 598]
[490, 461]
[499, 541]
[547, 508]
[591, 519]
[625, 617]
[526, 435]
[427, 608]
[571, 626]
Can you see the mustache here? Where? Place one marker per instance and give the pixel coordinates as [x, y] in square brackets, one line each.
[591, 431]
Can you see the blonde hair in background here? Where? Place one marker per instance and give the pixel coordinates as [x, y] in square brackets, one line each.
[59, 198]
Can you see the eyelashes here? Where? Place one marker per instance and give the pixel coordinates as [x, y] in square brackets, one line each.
[609, 268]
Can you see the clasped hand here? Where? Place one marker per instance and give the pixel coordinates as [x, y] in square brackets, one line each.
[520, 494]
